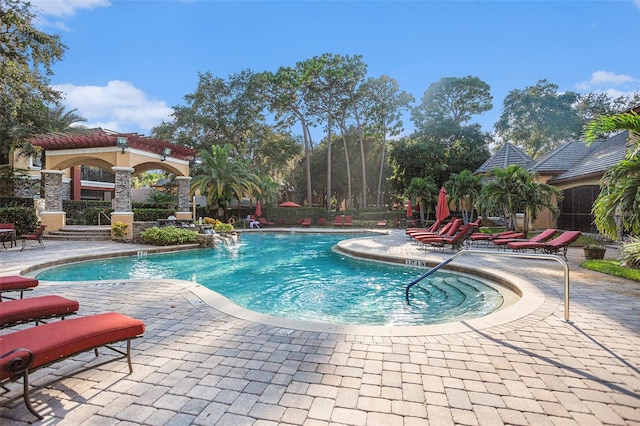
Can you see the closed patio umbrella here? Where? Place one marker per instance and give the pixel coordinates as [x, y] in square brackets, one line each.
[442, 209]
[409, 210]
[258, 209]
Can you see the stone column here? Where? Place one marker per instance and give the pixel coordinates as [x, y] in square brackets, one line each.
[122, 201]
[52, 216]
[183, 198]
[122, 195]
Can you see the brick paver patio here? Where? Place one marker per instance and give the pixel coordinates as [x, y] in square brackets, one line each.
[200, 365]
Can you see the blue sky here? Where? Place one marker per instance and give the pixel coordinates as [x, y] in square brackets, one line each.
[129, 62]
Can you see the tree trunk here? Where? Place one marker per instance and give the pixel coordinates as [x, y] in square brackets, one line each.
[307, 142]
[348, 165]
[329, 159]
[384, 147]
[362, 156]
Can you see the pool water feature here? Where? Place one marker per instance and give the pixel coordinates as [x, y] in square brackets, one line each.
[297, 276]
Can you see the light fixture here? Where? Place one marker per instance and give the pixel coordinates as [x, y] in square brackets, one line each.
[122, 142]
[166, 151]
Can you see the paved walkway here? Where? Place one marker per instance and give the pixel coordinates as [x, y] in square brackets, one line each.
[197, 364]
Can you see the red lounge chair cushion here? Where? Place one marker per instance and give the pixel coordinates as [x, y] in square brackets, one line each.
[17, 283]
[15, 311]
[60, 339]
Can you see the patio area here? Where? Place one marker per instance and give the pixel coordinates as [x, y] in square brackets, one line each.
[202, 362]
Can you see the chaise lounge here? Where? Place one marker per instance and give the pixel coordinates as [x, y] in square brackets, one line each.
[552, 247]
[542, 237]
[14, 283]
[27, 350]
[38, 309]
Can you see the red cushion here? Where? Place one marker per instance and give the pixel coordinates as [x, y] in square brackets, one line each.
[15, 311]
[16, 283]
[60, 339]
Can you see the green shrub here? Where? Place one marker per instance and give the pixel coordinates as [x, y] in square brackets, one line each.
[119, 228]
[24, 219]
[630, 254]
[85, 212]
[151, 215]
[169, 235]
[221, 226]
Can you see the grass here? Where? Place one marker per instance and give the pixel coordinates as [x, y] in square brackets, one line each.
[612, 267]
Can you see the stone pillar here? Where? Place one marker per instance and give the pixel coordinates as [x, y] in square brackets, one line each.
[52, 216]
[183, 198]
[122, 193]
[122, 201]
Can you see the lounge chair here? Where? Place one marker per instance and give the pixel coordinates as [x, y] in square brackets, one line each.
[306, 222]
[478, 237]
[348, 221]
[264, 222]
[454, 227]
[338, 221]
[456, 241]
[382, 224]
[432, 229]
[36, 309]
[322, 221]
[16, 283]
[36, 236]
[551, 247]
[27, 350]
[545, 235]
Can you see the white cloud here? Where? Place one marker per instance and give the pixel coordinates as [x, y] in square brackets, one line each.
[118, 106]
[601, 79]
[637, 3]
[62, 8]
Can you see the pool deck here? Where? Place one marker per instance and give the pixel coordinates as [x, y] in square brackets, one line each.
[203, 361]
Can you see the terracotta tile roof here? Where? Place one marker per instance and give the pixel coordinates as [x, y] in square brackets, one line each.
[93, 138]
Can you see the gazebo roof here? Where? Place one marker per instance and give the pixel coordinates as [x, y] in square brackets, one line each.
[507, 155]
[98, 137]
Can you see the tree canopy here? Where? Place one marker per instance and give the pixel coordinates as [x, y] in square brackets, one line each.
[539, 118]
[26, 59]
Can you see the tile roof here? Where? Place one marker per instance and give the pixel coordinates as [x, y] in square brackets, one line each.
[602, 155]
[563, 158]
[507, 155]
[98, 137]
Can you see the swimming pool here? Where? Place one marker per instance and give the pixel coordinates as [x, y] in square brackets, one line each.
[297, 276]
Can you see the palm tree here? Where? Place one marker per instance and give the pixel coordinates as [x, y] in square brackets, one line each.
[514, 190]
[60, 120]
[620, 186]
[424, 190]
[220, 178]
[464, 189]
[538, 196]
[504, 193]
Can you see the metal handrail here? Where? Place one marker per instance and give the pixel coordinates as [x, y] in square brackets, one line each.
[520, 255]
[101, 212]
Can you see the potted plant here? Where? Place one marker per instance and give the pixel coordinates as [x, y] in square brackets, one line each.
[594, 251]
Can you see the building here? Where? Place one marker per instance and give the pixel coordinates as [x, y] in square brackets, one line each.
[94, 164]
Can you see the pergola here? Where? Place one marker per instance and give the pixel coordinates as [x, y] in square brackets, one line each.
[126, 154]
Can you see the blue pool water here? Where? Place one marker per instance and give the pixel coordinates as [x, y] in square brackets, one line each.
[298, 276]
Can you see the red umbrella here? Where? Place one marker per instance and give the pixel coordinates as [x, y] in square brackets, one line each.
[258, 209]
[288, 204]
[442, 209]
[409, 211]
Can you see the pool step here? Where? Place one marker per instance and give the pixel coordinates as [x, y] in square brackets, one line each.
[80, 233]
